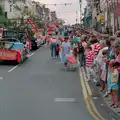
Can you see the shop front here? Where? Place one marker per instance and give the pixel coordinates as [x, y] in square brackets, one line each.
[100, 23]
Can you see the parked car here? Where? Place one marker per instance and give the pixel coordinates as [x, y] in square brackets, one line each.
[18, 35]
[11, 49]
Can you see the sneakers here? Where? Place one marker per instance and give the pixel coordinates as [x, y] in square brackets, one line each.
[106, 94]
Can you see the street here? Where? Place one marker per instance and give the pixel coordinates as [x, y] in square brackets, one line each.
[40, 89]
[59, 59]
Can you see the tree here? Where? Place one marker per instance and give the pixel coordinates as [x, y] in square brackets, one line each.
[40, 24]
[1, 11]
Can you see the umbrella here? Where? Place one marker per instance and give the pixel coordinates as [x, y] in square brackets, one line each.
[76, 39]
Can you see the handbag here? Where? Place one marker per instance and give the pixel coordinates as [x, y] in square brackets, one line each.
[115, 75]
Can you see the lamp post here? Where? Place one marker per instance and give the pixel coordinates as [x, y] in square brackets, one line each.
[111, 5]
[80, 2]
[76, 17]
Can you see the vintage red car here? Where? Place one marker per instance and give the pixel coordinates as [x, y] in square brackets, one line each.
[11, 49]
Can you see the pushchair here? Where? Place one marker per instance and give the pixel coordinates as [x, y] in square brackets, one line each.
[72, 64]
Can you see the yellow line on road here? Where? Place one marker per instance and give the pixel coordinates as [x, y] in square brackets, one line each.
[90, 94]
[85, 95]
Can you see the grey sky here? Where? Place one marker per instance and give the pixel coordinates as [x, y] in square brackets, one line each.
[68, 13]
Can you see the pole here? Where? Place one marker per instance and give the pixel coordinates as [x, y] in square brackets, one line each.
[76, 17]
[80, 2]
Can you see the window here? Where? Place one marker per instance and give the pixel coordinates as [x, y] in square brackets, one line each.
[10, 8]
[5, 14]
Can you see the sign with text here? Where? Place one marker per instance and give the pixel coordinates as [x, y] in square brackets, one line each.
[7, 55]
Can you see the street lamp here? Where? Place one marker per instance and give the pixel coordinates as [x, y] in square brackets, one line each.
[80, 2]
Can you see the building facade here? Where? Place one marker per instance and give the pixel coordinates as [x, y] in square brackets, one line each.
[87, 20]
[105, 15]
[12, 8]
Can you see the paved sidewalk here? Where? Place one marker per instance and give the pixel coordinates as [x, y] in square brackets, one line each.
[108, 102]
[104, 102]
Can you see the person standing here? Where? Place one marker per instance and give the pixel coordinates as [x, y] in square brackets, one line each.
[53, 47]
[57, 50]
[110, 58]
[81, 48]
[90, 55]
[75, 50]
[65, 50]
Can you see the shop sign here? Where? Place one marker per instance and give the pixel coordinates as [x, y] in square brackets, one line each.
[101, 18]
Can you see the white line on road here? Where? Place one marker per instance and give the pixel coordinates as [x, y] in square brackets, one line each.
[6, 107]
[64, 99]
[59, 63]
[38, 49]
[31, 54]
[13, 68]
[1, 78]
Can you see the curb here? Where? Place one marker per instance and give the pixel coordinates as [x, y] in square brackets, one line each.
[87, 94]
[111, 112]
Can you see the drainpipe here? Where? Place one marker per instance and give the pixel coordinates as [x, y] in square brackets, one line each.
[108, 16]
[107, 12]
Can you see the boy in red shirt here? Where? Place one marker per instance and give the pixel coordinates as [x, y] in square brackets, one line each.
[57, 50]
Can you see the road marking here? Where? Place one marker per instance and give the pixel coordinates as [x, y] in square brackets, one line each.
[13, 68]
[102, 104]
[64, 99]
[1, 78]
[86, 96]
[90, 94]
[31, 54]
[37, 50]
[6, 107]
[59, 63]
[95, 98]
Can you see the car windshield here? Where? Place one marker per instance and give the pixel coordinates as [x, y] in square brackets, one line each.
[5, 45]
[11, 40]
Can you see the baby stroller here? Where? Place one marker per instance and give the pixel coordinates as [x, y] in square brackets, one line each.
[72, 64]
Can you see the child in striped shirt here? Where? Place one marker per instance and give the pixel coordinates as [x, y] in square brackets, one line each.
[95, 46]
[90, 55]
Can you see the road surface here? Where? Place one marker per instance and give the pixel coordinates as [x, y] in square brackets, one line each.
[40, 89]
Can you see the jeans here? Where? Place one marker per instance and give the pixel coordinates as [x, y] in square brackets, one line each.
[53, 49]
[82, 59]
[89, 72]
